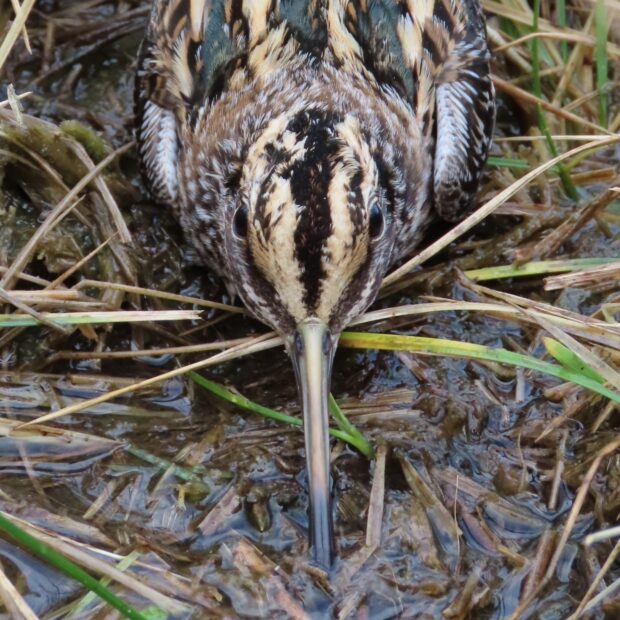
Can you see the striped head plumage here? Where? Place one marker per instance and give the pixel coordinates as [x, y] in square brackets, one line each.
[312, 233]
[304, 144]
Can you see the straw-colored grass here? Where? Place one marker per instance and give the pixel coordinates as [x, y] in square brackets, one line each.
[77, 283]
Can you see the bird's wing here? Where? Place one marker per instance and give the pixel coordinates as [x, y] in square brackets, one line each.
[434, 54]
[189, 51]
[465, 116]
[159, 97]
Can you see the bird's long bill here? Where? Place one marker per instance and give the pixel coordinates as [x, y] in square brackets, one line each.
[312, 352]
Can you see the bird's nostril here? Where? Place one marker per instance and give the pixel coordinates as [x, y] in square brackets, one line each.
[326, 343]
[299, 344]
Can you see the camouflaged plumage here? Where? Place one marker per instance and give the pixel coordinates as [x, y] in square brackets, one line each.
[304, 144]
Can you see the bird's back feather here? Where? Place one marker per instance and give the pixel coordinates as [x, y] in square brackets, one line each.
[431, 53]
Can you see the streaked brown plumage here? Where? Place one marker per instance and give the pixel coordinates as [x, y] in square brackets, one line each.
[304, 146]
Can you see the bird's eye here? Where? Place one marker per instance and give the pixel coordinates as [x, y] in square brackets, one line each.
[240, 222]
[375, 221]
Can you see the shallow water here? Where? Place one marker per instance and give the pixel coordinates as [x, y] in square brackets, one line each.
[213, 535]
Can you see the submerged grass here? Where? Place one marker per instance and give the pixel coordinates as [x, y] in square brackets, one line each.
[72, 570]
[347, 432]
[450, 348]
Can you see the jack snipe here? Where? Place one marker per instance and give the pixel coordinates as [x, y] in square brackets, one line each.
[304, 144]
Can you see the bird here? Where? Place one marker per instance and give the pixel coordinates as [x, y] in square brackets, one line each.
[305, 146]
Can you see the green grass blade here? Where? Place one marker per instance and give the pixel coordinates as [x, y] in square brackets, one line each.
[569, 187]
[66, 566]
[244, 403]
[89, 598]
[561, 10]
[570, 360]
[453, 348]
[602, 67]
[104, 318]
[347, 427]
[505, 162]
[195, 474]
[537, 87]
[567, 182]
[356, 440]
[535, 268]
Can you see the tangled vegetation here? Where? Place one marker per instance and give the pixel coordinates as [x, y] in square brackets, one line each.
[477, 452]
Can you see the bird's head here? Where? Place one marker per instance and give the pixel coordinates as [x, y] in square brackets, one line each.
[308, 241]
[310, 235]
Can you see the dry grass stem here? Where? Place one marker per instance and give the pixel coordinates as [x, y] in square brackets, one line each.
[18, 26]
[26, 309]
[578, 503]
[604, 369]
[54, 217]
[25, 37]
[609, 591]
[585, 327]
[522, 95]
[556, 36]
[552, 242]
[138, 290]
[82, 555]
[596, 582]
[602, 535]
[18, 97]
[589, 277]
[184, 350]
[489, 207]
[79, 264]
[93, 318]
[13, 601]
[601, 332]
[377, 498]
[560, 455]
[260, 343]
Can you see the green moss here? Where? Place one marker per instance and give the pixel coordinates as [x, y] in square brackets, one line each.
[96, 147]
